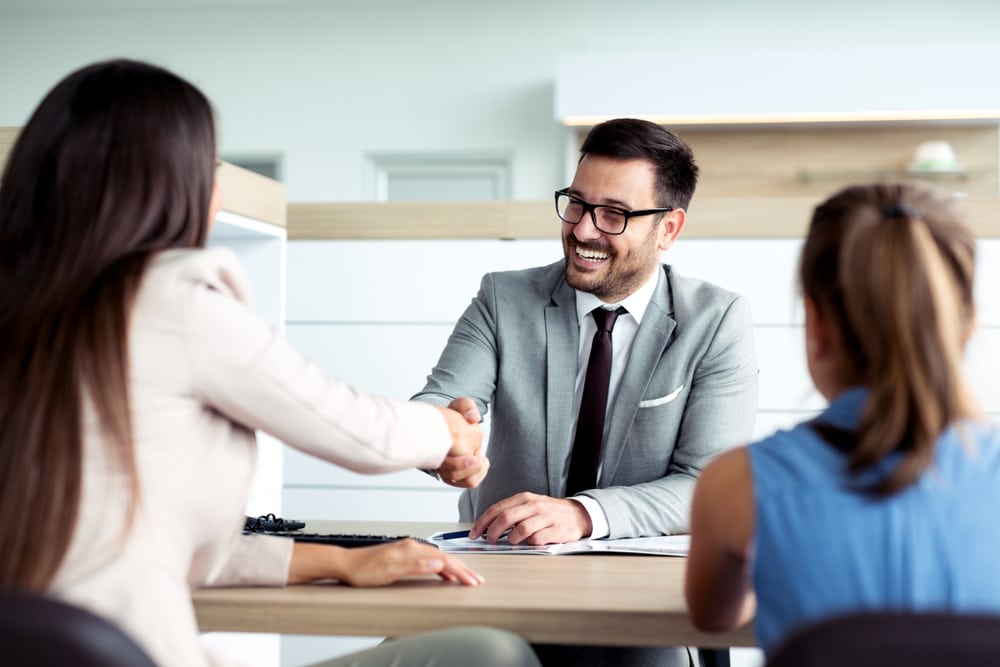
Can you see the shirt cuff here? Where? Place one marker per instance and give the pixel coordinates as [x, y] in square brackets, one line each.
[597, 517]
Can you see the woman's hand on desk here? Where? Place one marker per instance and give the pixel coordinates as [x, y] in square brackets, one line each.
[376, 566]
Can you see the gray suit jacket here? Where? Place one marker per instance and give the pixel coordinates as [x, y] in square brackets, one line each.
[688, 392]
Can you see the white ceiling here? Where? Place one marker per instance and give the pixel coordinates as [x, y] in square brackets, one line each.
[85, 6]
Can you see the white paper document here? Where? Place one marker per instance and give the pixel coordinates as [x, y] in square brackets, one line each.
[665, 545]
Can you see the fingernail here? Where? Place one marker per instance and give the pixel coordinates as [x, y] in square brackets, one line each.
[472, 415]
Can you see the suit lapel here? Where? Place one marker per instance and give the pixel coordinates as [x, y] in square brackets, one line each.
[562, 343]
[650, 342]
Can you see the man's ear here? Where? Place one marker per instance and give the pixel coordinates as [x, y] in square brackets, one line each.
[671, 226]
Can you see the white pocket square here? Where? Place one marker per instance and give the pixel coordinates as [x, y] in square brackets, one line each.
[653, 402]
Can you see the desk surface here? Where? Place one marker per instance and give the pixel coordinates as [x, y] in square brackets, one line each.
[613, 600]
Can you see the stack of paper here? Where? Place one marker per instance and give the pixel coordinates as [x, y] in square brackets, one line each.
[665, 545]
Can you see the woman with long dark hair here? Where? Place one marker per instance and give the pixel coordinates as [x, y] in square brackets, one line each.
[133, 375]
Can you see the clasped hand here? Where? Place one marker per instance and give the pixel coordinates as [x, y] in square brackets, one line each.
[466, 465]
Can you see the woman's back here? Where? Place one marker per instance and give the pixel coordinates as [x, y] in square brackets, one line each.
[823, 546]
[194, 465]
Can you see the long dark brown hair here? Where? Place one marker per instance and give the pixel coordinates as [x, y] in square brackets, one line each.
[115, 164]
[892, 266]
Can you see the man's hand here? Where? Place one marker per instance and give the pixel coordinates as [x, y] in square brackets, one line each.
[463, 468]
[464, 472]
[466, 437]
[531, 518]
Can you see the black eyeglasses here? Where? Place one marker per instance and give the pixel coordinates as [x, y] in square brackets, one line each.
[609, 220]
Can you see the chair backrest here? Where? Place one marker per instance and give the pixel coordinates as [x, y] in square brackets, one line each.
[896, 639]
[44, 632]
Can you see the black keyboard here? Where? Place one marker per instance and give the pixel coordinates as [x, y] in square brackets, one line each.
[339, 540]
[272, 525]
[269, 523]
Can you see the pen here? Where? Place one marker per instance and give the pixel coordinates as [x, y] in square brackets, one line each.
[456, 535]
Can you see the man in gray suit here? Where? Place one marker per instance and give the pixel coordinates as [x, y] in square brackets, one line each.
[683, 383]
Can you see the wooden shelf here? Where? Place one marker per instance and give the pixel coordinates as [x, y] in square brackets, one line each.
[942, 177]
[712, 217]
[8, 135]
[249, 194]
[245, 193]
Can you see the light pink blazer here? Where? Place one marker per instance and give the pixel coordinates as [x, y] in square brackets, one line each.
[205, 373]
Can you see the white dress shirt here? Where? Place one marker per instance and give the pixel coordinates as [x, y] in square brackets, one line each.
[623, 333]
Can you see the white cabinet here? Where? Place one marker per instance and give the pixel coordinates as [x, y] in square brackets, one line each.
[252, 224]
[260, 247]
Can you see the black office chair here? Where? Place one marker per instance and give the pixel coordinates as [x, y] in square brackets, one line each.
[893, 639]
[40, 631]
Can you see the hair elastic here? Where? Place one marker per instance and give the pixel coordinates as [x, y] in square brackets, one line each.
[902, 210]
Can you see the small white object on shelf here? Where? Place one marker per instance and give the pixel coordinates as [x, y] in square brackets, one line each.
[935, 157]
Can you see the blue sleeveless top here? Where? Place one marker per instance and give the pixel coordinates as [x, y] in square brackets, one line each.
[823, 549]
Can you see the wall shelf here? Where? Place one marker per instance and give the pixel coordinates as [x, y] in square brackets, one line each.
[943, 176]
[708, 218]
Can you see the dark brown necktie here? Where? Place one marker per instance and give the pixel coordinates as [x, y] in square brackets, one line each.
[586, 456]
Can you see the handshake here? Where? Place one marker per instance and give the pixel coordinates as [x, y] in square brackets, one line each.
[466, 464]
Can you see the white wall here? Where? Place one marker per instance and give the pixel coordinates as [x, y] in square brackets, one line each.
[322, 83]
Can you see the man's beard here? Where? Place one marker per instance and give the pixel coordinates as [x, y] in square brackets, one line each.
[621, 277]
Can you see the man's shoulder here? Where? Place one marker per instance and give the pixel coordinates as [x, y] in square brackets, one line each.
[541, 279]
[696, 291]
[554, 270]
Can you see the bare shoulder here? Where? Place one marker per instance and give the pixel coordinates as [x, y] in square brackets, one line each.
[723, 504]
[729, 466]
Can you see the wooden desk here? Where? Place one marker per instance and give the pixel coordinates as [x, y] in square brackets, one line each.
[617, 600]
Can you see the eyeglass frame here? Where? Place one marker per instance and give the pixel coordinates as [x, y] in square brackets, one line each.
[592, 208]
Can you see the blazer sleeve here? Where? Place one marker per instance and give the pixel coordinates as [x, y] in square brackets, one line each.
[254, 560]
[248, 372]
[469, 362]
[719, 414]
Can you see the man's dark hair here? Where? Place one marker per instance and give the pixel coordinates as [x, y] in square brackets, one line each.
[672, 159]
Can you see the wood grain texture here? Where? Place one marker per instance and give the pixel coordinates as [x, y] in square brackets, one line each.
[788, 161]
[8, 135]
[252, 195]
[600, 600]
[244, 192]
[709, 217]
